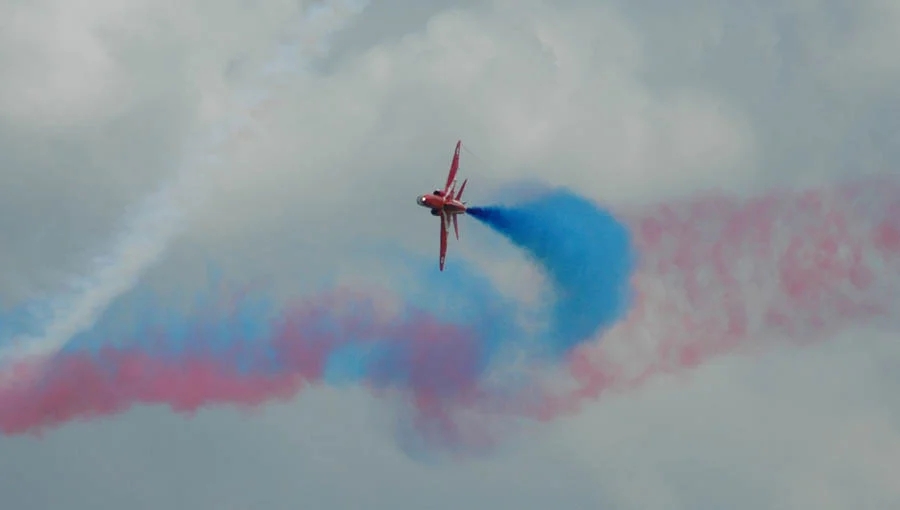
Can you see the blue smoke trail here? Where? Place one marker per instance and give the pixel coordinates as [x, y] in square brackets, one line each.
[584, 250]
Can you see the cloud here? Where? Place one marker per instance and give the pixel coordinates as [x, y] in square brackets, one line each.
[627, 102]
[794, 428]
[146, 235]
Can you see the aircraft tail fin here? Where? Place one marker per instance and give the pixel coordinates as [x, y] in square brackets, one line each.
[461, 189]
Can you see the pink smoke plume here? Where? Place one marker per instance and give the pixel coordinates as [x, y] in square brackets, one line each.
[721, 275]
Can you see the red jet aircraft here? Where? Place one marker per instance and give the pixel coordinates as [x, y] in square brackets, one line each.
[446, 203]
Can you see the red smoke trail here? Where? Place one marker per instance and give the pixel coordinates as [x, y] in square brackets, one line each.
[436, 366]
[720, 275]
[82, 388]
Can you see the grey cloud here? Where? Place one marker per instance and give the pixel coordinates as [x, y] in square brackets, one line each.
[387, 21]
[319, 452]
[809, 74]
[61, 193]
[626, 99]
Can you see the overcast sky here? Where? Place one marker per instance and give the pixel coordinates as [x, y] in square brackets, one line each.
[631, 102]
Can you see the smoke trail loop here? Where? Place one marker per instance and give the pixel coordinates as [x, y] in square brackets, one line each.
[585, 251]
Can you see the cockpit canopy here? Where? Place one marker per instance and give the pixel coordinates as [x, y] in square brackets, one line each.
[421, 200]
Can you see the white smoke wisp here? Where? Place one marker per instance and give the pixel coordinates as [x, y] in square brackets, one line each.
[145, 236]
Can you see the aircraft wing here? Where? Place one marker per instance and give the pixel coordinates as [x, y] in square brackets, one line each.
[454, 167]
[444, 233]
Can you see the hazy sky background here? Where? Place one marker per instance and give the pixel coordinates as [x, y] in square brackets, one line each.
[100, 101]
